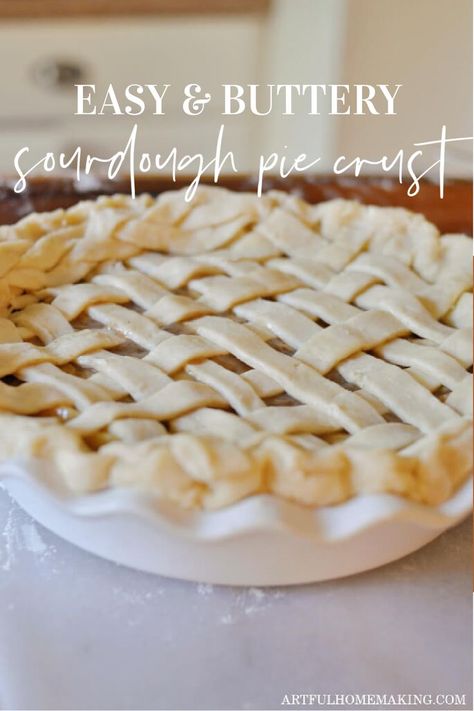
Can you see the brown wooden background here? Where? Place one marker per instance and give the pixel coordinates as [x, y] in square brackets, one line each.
[73, 8]
[452, 214]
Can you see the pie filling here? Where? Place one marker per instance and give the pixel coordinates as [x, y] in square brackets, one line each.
[231, 346]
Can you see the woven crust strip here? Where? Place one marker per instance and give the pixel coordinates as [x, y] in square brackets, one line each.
[211, 350]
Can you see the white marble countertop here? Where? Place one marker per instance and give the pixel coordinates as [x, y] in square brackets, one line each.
[79, 632]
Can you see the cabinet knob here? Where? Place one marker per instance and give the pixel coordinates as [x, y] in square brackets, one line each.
[59, 73]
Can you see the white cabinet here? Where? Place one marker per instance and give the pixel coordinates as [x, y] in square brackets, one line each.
[41, 61]
[423, 45]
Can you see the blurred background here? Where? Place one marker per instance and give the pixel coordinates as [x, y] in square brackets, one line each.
[47, 46]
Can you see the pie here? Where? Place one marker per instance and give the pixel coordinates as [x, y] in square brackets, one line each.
[211, 350]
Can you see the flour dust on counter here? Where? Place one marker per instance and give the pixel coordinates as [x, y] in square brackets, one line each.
[21, 534]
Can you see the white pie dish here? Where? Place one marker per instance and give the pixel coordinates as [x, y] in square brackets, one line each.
[261, 540]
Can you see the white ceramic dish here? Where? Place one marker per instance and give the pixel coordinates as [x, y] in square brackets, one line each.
[258, 541]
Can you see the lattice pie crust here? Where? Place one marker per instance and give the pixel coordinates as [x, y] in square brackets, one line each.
[235, 345]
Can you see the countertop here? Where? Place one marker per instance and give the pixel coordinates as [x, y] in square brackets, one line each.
[80, 632]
